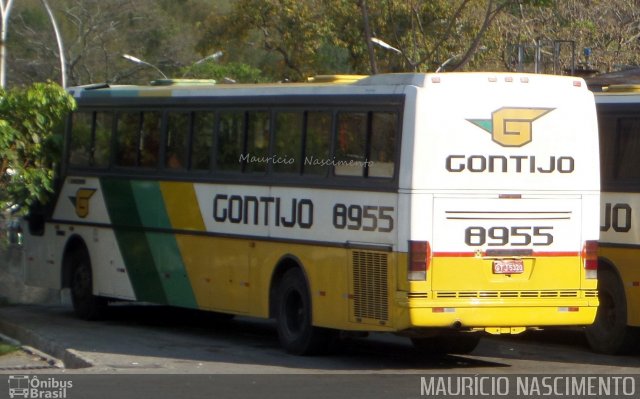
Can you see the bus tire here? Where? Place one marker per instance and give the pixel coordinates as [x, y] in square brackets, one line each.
[293, 317]
[456, 344]
[86, 305]
[609, 332]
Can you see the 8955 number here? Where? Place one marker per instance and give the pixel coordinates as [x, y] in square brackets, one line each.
[365, 218]
[476, 236]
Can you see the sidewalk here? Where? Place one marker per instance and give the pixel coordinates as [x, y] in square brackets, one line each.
[25, 359]
[34, 329]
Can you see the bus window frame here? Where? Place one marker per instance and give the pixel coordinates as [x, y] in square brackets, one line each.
[610, 143]
[333, 104]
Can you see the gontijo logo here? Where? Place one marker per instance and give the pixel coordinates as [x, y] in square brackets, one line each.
[511, 127]
[81, 201]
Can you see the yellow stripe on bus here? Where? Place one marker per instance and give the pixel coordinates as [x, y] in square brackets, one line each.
[182, 206]
[183, 210]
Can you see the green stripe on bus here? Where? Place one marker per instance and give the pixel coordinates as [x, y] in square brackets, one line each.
[132, 241]
[163, 246]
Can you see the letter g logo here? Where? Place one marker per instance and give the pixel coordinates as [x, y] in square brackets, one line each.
[511, 127]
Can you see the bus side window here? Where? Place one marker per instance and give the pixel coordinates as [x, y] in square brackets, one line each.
[150, 139]
[288, 142]
[80, 146]
[317, 143]
[350, 144]
[229, 148]
[627, 150]
[203, 129]
[102, 139]
[177, 140]
[128, 137]
[383, 144]
[258, 136]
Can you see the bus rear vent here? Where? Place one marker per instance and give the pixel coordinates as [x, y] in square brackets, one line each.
[370, 287]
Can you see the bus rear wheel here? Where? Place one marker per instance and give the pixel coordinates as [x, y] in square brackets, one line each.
[609, 333]
[296, 333]
[86, 305]
[455, 344]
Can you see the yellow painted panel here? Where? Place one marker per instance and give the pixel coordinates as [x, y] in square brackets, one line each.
[182, 206]
[476, 273]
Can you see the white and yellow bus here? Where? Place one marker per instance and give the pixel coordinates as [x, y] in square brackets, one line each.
[616, 328]
[428, 205]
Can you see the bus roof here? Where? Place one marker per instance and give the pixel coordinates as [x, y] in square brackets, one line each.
[325, 84]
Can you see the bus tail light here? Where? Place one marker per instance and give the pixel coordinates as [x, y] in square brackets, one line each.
[419, 255]
[590, 259]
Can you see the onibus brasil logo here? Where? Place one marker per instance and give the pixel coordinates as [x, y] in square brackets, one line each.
[31, 387]
[511, 127]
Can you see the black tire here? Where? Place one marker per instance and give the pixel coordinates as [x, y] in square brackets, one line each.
[609, 333]
[86, 305]
[296, 333]
[456, 344]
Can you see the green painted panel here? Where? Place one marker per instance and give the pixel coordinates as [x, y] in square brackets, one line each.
[132, 241]
[163, 246]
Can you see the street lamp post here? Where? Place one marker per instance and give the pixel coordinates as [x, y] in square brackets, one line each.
[211, 57]
[389, 47]
[138, 61]
[63, 63]
[385, 45]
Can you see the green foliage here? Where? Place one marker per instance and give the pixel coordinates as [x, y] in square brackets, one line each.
[5, 349]
[30, 141]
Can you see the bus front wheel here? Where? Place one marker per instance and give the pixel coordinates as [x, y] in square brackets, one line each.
[296, 333]
[86, 305]
[609, 333]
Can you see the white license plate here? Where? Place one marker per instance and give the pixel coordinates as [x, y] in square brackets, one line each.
[508, 266]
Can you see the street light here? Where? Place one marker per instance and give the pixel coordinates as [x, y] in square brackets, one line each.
[389, 47]
[444, 64]
[385, 45]
[211, 57]
[140, 62]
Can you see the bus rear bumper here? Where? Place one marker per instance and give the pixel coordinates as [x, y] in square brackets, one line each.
[500, 319]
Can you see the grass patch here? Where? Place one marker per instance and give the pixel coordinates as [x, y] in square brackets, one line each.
[6, 348]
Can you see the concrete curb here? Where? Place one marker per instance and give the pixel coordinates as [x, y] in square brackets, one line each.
[52, 352]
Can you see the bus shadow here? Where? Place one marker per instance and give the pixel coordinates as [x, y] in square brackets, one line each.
[253, 341]
[558, 345]
[245, 340]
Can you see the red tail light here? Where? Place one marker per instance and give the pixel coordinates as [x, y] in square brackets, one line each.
[590, 258]
[419, 255]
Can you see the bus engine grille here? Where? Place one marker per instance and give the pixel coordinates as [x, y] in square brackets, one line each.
[370, 286]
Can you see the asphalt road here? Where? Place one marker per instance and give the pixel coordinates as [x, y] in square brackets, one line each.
[157, 346]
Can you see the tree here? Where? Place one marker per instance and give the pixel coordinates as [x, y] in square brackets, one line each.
[96, 33]
[30, 141]
[609, 29]
[301, 34]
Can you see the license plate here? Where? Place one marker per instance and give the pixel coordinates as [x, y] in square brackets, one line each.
[508, 266]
